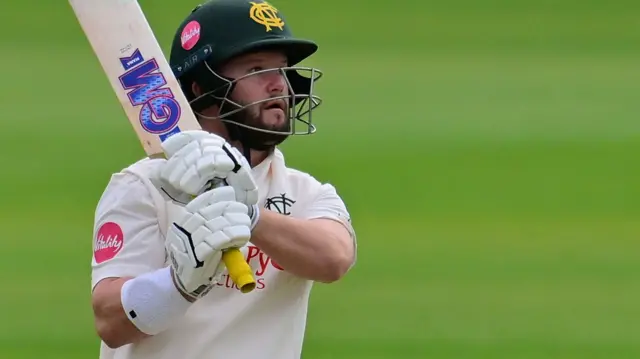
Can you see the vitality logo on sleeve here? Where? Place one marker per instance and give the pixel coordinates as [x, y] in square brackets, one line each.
[108, 242]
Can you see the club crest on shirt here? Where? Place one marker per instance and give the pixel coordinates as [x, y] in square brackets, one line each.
[281, 204]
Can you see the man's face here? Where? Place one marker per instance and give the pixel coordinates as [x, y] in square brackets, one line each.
[268, 115]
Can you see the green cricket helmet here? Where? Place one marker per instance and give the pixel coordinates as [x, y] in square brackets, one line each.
[218, 31]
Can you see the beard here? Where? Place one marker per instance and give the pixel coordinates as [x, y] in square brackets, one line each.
[259, 118]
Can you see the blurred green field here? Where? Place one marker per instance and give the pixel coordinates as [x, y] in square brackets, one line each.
[487, 151]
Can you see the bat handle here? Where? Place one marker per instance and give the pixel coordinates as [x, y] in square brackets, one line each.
[239, 270]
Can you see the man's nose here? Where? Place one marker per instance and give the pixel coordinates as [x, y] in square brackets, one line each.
[277, 83]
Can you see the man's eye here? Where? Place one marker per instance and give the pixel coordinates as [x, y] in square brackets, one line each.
[256, 69]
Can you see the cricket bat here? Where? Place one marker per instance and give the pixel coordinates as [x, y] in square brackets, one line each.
[147, 89]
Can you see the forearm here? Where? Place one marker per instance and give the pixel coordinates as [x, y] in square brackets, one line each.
[130, 309]
[319, 250]
[112, 324]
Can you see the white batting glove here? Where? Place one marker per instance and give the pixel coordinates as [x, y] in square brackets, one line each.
[195, 158]
[212, 222]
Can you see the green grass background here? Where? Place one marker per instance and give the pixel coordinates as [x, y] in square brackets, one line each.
[487, 151]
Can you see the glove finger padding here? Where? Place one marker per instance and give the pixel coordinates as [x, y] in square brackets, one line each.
[203, 202]
[244, 185]
[242, 180]
[229, 226]
[178, 141]
[210, 223]
[194, 158]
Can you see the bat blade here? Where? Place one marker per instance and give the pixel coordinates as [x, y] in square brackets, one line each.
[137, 69]
[147, 89]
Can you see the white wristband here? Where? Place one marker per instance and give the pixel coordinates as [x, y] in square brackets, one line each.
[152, 302]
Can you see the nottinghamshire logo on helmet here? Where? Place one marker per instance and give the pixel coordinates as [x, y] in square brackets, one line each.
[265, 14]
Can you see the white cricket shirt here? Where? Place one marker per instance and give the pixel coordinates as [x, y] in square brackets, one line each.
[268, 323]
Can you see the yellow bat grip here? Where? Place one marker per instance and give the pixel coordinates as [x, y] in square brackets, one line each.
[239, 270]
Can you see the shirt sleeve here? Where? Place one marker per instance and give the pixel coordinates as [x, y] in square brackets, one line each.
[329, 205]
[127, 240]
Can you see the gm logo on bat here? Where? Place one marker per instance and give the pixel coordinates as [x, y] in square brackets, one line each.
[160, 112]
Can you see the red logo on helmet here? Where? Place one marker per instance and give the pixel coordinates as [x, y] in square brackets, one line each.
[190, 35]
[108, 242]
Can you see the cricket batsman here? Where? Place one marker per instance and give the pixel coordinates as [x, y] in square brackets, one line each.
[159, 287]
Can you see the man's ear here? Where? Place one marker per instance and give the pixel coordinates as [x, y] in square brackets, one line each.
[212, 111]
[195, 88]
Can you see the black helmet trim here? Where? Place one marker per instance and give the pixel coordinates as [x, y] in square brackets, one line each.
[296, 51]
[195, 59]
